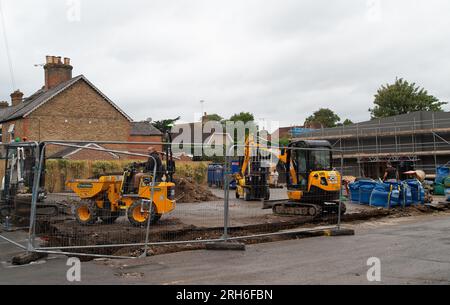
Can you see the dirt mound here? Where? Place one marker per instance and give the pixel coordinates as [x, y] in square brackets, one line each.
[187, 190]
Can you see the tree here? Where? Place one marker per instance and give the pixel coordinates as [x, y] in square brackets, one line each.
[242, 116]
[283, 142]
[212, 117]
[165, 125]
[403, 97]
[347, 122]
[326, 117]
[245, 117]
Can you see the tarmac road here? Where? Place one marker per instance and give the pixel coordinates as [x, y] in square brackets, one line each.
[413, 250]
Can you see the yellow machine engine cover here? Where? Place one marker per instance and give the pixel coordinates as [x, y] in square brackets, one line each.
[162, 197]
[94, 189]
[89, 188]
[325, 180]
[320, 184]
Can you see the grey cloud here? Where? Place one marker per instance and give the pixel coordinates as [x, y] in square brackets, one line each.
[279, 59]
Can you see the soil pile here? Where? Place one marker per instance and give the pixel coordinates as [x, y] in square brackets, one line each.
[187, 190]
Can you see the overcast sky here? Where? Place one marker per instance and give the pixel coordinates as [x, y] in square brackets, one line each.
[279, 59]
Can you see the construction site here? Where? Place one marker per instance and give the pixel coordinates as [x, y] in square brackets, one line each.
[150, 208]
[134, 197]
[212, 142]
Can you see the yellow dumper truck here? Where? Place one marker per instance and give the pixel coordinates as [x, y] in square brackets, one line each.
[106, 198]
[134, 193]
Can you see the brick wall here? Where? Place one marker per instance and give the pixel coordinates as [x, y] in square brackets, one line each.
[18, 129]
[79, 113]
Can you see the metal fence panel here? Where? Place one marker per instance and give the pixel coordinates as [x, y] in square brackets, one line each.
[78, 187]
[200, 214]
[254, 208]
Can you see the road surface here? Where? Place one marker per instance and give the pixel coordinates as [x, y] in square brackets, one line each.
[413, 250]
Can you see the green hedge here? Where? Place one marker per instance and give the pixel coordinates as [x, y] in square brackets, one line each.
[57, 172]
[195, 170]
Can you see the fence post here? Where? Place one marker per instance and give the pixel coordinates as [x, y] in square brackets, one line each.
[340, 190]
[150, 208]
[359, 149]
[226, 189]
[39, 159]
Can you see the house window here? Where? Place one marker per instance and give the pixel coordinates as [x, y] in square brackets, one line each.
[11, 132]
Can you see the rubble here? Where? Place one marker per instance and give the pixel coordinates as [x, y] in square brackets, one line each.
[187, 190]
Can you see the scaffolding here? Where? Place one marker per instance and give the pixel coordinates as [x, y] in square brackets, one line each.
[423, 142]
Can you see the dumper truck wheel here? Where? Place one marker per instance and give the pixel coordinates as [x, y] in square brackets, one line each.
[138, 214]
[237, 194]
[86, 213]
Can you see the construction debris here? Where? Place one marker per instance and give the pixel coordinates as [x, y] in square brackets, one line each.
[187, 190]
[27, 258]
[440, 206]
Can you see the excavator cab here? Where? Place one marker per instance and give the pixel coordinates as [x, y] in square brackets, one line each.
[309, 173]
[307, 157]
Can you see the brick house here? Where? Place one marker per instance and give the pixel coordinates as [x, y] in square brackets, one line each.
[66, 108]
[144, 132]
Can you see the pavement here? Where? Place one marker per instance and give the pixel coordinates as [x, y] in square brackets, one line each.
[411, 250]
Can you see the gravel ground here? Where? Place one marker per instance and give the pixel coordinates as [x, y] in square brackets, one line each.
[211, 213]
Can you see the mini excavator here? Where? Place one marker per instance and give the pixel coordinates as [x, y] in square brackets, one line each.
[313, 186]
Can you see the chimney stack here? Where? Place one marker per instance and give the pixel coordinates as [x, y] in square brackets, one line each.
[16, 98]
[56, 71]
[4, 104]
